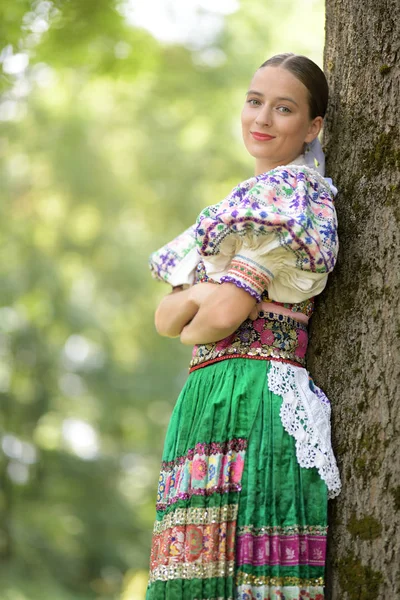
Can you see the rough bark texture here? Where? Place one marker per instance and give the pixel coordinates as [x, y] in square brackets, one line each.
[355, 334]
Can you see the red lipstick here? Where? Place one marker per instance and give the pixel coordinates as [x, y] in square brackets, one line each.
[261, 137]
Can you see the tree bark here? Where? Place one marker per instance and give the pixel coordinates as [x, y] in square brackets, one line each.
[354, 349]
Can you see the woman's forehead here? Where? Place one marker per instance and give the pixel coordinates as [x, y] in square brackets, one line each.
[277, 81]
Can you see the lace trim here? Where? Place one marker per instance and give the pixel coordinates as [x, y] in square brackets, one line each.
[242, 285]
[305, 415]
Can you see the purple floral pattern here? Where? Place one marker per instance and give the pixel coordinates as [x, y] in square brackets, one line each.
[294, 203]
[165, 261]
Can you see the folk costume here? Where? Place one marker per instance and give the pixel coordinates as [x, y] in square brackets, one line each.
[248, 465]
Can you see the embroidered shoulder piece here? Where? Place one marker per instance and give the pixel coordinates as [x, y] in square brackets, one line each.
[292, 203]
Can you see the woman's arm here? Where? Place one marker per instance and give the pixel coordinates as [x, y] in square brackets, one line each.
[179, 307]
[174, 312]
[219, 315]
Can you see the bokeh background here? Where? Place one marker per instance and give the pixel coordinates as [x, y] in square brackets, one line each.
[119, 122]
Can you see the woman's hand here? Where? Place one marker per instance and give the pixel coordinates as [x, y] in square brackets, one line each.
[200, 292]
[178, 308]
[175, 311]
[253, 313]
[219, 315]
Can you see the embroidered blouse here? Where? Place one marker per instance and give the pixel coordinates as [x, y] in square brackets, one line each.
[275, 232]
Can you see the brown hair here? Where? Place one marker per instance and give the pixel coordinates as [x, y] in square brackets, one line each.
[310, 75]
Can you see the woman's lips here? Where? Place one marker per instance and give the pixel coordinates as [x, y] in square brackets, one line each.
[262, 137]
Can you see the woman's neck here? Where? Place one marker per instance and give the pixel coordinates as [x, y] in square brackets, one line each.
[264, 167]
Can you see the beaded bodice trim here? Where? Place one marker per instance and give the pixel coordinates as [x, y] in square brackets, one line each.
[270, 336]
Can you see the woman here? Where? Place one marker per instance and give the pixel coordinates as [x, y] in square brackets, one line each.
[248, 466]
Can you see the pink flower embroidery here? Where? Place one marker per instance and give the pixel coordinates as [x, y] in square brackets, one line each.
[256, 345]
[237, 469]
[199, 468]
[222, 344]
[259, 325]
[267, 337]
[178, 476]
[302, 340]
[223, 470]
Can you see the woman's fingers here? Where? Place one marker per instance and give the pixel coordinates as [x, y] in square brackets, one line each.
[254, 313]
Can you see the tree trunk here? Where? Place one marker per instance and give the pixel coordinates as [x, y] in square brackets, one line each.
[354, 351]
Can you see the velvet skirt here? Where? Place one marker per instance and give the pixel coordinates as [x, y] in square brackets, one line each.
[237, 517]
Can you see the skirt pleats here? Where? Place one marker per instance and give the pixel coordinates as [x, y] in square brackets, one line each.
[237, 518]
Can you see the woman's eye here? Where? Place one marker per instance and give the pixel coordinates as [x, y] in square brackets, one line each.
[284, 109]
[253, 102]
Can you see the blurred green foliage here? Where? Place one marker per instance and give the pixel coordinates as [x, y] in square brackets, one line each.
[110, 144]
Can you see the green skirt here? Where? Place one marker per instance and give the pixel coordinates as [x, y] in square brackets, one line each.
[237, 517]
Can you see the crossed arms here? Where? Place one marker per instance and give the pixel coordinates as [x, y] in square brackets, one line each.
[203, 313]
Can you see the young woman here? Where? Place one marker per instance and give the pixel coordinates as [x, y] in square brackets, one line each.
[248, 465]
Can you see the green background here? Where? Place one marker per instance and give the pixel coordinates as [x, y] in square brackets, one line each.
[111, 142]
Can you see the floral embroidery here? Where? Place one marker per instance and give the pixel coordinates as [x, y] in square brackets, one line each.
[285, 550]
[306, 307]
[271, 336]
[302, 339]
[258, 587]
[205, 544]
[201, 274]
[291, 205]
[236, 469]
[163, 262]
[206, 469]
[194, 542]
[246, 592]
[294, 203]
[199, 469]
[249, 275]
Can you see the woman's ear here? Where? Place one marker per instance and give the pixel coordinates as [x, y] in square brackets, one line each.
[314, 129]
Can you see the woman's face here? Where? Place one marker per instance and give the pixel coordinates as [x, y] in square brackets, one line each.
[276, 119]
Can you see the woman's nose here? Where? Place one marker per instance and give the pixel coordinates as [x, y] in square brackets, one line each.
[264, 117]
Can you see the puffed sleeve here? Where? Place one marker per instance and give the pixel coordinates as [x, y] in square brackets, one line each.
[176, 262]
[279, 235]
